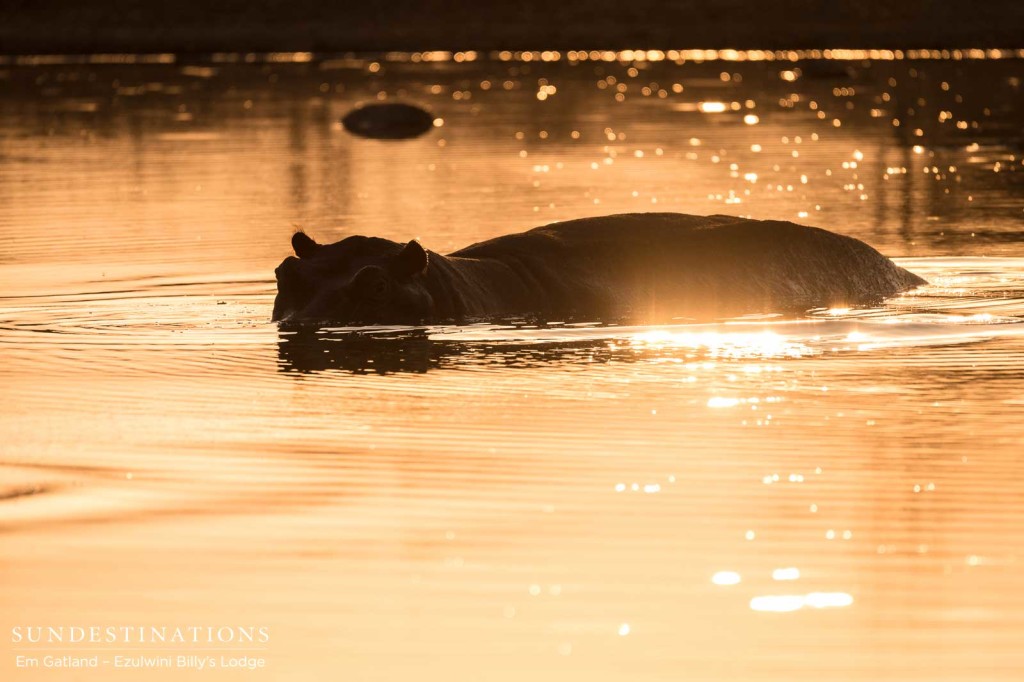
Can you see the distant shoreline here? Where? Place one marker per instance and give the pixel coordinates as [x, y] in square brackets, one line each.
[193, 27]
[353, 58]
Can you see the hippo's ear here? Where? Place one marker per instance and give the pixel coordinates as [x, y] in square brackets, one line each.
[411, 261]
[304, 245]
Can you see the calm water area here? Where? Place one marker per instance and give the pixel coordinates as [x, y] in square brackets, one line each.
[838, 496]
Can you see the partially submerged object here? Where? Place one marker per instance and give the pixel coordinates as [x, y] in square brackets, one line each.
[388, 121]
[645, 267]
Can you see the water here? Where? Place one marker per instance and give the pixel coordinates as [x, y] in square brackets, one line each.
[834, 497]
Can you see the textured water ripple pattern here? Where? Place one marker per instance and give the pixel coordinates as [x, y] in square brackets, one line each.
[837, 496]
[656, 466]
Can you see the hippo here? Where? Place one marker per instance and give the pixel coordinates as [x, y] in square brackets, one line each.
[641, 267]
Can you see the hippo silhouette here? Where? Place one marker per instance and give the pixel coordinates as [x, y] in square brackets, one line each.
[645, 267]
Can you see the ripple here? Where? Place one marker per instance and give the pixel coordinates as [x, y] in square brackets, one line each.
[579, 492]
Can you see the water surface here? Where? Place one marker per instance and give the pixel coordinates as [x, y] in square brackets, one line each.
[832, 497]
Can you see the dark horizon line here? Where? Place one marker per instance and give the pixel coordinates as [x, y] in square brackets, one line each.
[490, 54]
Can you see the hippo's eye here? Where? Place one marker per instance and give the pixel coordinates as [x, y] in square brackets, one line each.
[370, 283]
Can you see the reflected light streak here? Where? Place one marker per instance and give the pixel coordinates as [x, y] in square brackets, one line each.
[733, 345]
[290, 57]
[822, 600]
[711, 107]
[625, 56]
[726, 578]
[794, 602]
[777, 603]
[786, 574]
[978, 317]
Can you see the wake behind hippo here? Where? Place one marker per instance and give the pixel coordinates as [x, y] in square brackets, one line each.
[645, 267]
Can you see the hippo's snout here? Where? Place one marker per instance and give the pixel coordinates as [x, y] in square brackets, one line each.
[288, 269]
[293, 293]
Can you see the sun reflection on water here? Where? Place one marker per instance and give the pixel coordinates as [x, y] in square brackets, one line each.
[786, 574]
[726, 578]
[726, 345]
[712, 107]
[622, 56]
[794, 602]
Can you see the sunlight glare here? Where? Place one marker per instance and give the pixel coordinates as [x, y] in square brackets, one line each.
[711, 107]
[731, 345]
[726, 578]
[795, 602]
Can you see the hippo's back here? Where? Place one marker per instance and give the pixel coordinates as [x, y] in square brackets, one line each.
[698, 265]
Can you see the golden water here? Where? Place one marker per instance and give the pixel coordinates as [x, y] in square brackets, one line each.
[839, 497]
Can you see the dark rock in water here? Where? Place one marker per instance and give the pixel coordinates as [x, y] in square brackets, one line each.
[391, 121]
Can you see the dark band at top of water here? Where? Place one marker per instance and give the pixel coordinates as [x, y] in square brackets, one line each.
[461, 56]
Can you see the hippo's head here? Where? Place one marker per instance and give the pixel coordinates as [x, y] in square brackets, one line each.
[357, 281]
